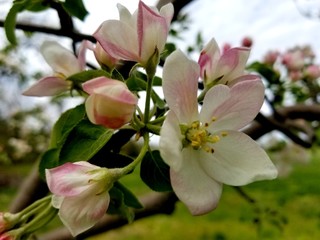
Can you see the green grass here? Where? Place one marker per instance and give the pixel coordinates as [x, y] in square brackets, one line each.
[285, 209]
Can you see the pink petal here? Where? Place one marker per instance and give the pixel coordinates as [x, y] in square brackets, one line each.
[93, 84]
[48, 86]
[208, 60]
[180, 86]
[152, 32]
[69, 179]
[53, 53]
[237, 160]
[232, 108]
[118, 39]
[193, 186]
[81, 213]
[232, 63]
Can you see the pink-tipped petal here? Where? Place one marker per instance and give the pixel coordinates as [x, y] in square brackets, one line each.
[48, 86]
[208, 60]
[237, 160]
[180, 85]
[232, 63]
[152, 32]
[235, 111]
[69, 179]
[118, 39]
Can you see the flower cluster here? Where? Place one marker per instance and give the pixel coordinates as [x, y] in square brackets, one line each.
[200, 135]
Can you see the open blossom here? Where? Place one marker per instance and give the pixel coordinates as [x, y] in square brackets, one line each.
[226, 68]
[205, 150]
[137, 36]
[80, 193]
[110, 103]
[64, 64]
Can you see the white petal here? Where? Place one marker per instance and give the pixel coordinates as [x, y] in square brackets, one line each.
[180, 86]
[194, 187]
[232, 108]
[237, 160]
[59, 58]
[79, 214]
[170, 144]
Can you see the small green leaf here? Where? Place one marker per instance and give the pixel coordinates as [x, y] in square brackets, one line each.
[75, 8]
[117, 204]
[37, 5]
[270, 74]
[10, 21]
[65, 124]
[49, 159]
[130, 199]
[155, 172]
[84, 141]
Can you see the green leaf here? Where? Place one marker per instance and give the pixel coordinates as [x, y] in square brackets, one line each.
[10, 21]
[129, 198]
[65, 124]
[270, 74]
[155, 172]
[117, 204]
[84, 141]
[37, 5]
[49, 159]
[75, 8]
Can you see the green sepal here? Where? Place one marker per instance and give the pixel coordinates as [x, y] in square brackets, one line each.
[155, 172]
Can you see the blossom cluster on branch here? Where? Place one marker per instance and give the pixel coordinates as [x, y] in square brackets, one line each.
[201, 145]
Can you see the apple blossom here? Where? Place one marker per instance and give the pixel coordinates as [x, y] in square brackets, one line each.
[80, 193]
[205, 150]
[293, 60]
[110, 103]
[227, 68]
[312, 72]
[64, 64]
[138, 36]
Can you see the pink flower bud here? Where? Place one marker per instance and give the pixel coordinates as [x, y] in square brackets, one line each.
[312, 72]
[271, 57]
[104, 58]
[293, 60]
[110, 103]
[247, 42]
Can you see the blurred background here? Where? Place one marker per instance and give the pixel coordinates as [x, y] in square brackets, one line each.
[286, 208]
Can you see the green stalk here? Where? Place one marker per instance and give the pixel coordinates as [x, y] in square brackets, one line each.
[139, 158]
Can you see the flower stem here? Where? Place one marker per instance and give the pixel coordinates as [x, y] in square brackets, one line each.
[148, 98]
[139, 158]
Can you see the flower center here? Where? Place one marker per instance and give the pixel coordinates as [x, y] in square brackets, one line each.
[198, 137]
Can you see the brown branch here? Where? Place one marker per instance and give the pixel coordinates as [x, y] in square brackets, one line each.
[75, 36]
[154, 203]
